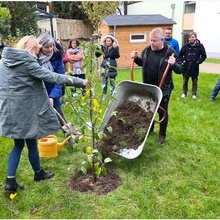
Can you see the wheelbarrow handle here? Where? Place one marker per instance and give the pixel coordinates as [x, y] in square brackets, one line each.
[164, 115]
[132, 67]
[131, 71]
[165, 74]
[160, 86]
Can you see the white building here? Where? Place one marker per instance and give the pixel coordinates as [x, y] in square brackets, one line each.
[203, 17]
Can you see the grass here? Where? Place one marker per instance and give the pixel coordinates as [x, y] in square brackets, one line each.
[211, 60]
[179, 179]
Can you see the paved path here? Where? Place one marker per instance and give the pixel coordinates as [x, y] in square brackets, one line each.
[209, 68]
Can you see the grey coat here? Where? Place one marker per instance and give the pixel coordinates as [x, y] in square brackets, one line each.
[25, 109]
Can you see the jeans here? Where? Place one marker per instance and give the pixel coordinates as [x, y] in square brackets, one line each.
[15, 156]
[216, 89]
[163, 125]
[194, 85]
[105, 82]
[83, 88]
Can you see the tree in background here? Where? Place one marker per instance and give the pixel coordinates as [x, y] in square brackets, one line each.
[22, 17]
[69, 10]
[98, 10]
[5, 18]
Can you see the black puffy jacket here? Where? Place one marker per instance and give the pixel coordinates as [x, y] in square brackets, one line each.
[110, 56]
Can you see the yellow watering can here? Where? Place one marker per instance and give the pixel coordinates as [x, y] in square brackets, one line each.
[49, 147]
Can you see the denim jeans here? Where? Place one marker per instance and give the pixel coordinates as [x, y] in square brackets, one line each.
[105, 82]
[216, 89]
[15, 156]
[194, 85]
[83, 88]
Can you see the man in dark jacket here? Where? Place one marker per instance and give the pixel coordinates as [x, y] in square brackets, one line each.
[154, 60]
[191, 54]
[2, 45]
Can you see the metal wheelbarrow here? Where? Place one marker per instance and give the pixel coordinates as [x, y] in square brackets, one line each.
[140, 93]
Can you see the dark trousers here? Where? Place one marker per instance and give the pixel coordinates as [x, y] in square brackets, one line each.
[194, 85]
[163, 125]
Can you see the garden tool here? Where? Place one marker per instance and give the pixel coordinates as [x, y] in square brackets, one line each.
[69, 127]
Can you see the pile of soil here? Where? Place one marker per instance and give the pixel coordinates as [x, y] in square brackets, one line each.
[129, 128]
[104, 184]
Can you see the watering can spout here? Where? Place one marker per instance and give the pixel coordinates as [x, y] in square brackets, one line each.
[60, 145]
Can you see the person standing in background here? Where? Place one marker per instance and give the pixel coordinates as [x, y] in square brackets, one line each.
[75, 66]
[174, 44]
[110, 48]
[191, 54]
[168, 37]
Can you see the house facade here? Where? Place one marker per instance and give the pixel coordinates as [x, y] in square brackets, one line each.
[132, 32]
[203, 17]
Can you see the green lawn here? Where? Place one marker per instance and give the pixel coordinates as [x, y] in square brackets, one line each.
[179, 179]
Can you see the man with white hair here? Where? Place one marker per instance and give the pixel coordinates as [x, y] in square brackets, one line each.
[154, 60]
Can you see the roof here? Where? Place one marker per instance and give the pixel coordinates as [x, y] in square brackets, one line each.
[133, 20]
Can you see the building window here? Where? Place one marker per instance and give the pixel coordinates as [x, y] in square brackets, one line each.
[138, 38]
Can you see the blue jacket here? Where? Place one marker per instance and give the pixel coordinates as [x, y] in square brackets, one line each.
[55, 91]
[174, 44]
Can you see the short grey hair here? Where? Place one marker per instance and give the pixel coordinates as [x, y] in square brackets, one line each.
[157, 32]
[46, 39]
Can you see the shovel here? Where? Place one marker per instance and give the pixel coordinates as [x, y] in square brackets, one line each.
[69, 127]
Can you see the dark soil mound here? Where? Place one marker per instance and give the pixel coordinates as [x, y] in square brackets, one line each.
[129, 128]
[104, 184]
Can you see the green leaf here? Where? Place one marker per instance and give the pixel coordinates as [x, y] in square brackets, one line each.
[96, 166]
[114, 113]
[98, 171]
[99, 157]
[84, 170]
[109, 128]
[107, 160]
[95, 151]
[104, 171]
[122, 119]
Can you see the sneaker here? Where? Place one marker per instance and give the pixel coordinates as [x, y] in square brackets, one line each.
[161, 139]
[212, 99]
[194, 96]
[183, 95]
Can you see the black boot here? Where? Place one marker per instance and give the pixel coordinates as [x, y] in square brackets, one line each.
[12, 186]
[42, 175]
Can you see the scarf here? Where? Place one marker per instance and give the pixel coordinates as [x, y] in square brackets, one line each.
[45, 60]
[75, 51]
